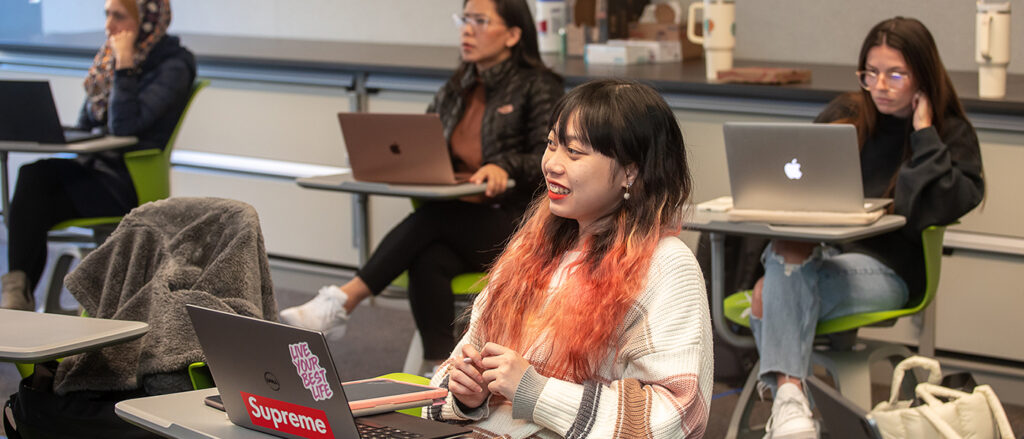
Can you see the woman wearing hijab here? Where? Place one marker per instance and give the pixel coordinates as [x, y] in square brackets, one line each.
[138, 86]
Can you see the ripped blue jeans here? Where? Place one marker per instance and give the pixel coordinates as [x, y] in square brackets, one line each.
[795, 297]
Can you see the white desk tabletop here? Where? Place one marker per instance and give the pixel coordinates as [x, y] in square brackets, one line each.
[183, 415]
[87, 146]
[31, 337]
[345, 183]
[717, 222]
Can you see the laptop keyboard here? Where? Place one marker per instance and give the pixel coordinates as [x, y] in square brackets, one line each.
[367, 431]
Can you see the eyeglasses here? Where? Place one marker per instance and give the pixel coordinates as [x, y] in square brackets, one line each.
[893, 80]
[479, 22]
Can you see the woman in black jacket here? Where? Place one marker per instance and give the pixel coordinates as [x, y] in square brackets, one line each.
[138, 86]
[917, 147]
[495, 112]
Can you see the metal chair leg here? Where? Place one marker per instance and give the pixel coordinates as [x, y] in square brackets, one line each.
[739, 423]
[851, 370]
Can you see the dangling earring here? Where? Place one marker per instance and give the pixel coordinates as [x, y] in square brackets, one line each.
[625, 195]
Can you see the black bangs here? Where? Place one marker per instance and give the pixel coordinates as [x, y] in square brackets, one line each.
[632, 124]
[599, 112]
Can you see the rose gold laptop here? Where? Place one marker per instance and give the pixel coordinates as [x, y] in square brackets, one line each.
[397, 148]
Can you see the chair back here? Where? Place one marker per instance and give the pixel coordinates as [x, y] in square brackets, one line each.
[931, 241]
[150, 169]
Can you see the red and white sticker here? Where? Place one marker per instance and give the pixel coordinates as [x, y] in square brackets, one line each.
[287, 417]
[314, 377]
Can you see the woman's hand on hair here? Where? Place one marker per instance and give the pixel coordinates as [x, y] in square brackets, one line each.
[123, 45]
[496, 178]
[922, 111]
[465, 381]
[504, 369]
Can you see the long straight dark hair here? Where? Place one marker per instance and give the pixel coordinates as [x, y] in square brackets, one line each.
[526, 54]
[630, 123]
[911, 39]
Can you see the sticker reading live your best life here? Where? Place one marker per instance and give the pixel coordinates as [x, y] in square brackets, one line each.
[314, 377]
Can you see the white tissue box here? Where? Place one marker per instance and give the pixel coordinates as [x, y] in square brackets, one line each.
[616, 54]
[659, 51]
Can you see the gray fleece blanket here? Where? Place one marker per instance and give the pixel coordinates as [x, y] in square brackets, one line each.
[163, 255]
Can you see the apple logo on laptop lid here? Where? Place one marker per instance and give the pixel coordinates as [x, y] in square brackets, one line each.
[792, 170]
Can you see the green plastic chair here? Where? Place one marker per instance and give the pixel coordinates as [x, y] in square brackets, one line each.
[150, 170]
[412, 379]
[198, 373]
[849, 367]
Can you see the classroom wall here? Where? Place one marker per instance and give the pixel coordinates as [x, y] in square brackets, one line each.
[814, 31]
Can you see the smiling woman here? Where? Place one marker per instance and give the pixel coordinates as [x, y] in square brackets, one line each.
[526, 367]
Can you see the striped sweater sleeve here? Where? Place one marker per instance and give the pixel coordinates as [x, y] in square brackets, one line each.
[451, 410]
[664, 388]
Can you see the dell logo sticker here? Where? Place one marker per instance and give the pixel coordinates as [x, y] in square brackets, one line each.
[792, 170]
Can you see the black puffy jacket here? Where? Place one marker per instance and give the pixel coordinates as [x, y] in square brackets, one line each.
[515, 122]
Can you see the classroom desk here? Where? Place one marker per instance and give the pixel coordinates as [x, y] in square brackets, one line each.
[31, 337]
[717, 226]
[183, 415]
[362, 191]
[84, 147]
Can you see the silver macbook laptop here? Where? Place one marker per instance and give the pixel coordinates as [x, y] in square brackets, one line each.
[843, 418]
[796, 167]
[397, 148]
[28, 114]
[281, 380]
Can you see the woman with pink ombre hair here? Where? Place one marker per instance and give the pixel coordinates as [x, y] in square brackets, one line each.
[595, 320]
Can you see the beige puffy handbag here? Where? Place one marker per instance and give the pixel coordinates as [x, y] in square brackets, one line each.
[963, 415]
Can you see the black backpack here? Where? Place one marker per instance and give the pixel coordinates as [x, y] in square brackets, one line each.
[36, 412]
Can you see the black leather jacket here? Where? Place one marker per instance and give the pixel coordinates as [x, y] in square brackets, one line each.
[515, 122]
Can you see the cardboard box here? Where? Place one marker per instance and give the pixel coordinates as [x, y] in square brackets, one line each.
[666, 32]
[660, 51]
[616, 54]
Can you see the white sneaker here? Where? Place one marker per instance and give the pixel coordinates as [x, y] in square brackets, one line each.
[326, 312]
[791, 415]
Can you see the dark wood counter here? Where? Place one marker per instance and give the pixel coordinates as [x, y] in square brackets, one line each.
[437, 63]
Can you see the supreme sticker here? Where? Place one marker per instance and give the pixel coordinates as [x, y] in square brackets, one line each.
[314, 377]
[287, 418]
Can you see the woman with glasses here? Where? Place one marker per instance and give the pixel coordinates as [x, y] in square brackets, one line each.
[494, 110]
[917, 147]
[138, 86]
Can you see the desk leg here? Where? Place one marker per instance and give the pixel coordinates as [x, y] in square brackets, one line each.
[360, 97]
[718, 294]
[361, 226]
[6, 204]
[361, 230]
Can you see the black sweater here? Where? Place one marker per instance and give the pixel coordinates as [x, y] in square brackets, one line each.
[940, 182]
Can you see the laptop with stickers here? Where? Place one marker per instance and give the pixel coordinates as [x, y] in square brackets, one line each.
[281, 380]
